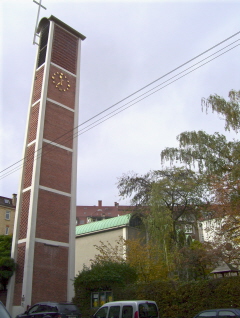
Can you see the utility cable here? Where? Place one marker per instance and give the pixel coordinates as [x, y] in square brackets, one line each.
[101, 119]
[115, 111]
[134, 93]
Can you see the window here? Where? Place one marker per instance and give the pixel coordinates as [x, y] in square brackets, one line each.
[127, 312]
[52, 309]
[7, 201]
[33, 309]
[148, 311]
[226, 313]
[7, 215]
[7, 230]
[208, 314]
[101, 313]
[43, 45]
[42, 308]
[188, 228]
[100, 298]
[114, 312]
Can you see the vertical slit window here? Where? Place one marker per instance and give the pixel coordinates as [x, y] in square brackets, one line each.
[43, 45]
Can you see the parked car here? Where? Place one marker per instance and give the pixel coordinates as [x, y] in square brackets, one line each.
[128, 309]
[3, 311]
[221, 313]
[51, 310]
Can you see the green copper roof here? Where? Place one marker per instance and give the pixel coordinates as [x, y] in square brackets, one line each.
[103, 225]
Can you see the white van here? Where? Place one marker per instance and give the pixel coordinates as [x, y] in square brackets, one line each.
[128, 309]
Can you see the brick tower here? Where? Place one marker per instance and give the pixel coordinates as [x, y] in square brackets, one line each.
[44, 235]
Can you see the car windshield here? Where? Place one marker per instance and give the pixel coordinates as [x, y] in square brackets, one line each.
[68, 308]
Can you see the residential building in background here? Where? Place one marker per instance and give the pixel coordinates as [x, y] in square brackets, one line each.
[7, 214]
[87, 213]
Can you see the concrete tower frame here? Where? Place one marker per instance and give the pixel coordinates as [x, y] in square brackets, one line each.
[44, 231]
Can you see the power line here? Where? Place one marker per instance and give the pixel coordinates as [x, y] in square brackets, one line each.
[114, 113]
[108, 117]
[150, 93]
[80, 132]
[161, 77]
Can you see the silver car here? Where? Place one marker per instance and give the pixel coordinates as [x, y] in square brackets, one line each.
[3, 311]
[219, 313]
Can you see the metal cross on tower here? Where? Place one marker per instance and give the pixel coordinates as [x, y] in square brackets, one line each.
[35, 31]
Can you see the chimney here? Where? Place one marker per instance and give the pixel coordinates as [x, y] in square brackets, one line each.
[99, 203]
[14, 199]
[116, 204]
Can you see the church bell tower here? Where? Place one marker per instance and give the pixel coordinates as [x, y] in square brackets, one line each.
[44, 234]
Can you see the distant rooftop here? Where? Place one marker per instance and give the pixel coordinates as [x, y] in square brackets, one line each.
[8, 202]
[225, 268]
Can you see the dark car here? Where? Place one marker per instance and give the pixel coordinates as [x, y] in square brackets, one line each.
[3, 311]
[52, 310]
[221, 313]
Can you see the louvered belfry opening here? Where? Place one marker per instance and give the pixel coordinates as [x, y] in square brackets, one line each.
[43, 45]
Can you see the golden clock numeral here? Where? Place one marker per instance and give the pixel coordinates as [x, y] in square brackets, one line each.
[63, 84]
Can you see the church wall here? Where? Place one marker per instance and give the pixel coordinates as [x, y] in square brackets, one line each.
[85, 249]
[49, 284]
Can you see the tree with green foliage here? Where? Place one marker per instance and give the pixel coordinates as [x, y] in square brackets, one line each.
[195, 261]
[179, 190]
[212, 153]
[105, 275]
[218, 160]
[145, 258]
[230, 110]
[7, 264]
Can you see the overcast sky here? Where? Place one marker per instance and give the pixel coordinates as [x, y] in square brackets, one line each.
[128, 45]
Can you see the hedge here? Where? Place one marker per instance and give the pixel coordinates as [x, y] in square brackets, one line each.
[174, 299]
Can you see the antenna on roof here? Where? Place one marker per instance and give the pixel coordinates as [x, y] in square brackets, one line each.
[35, 31]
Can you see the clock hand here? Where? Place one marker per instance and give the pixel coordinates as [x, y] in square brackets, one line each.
[61, 81]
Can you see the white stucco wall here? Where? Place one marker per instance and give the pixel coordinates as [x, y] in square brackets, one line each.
[85, 249]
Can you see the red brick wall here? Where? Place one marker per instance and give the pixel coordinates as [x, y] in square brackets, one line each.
[58, 125]
[64, 51]
[53, 216]
[56, 168]
[66, 98]
[50, 273]
[33, 122]
[28, 166]
[19, 274]
[24, 215]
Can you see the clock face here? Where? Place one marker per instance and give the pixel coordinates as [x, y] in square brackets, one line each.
[61, 81]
